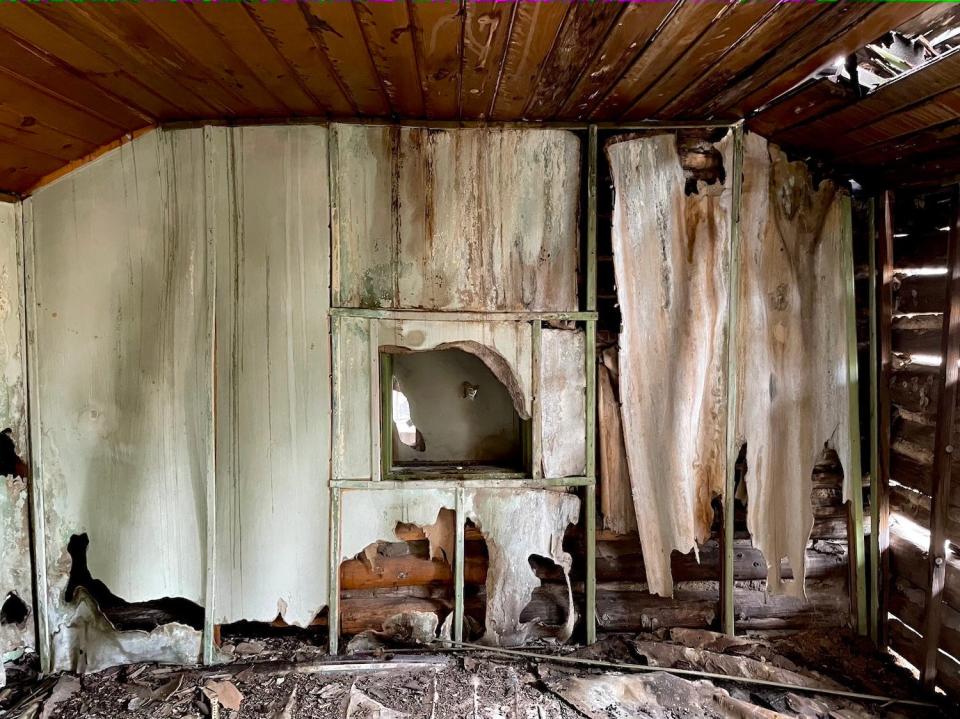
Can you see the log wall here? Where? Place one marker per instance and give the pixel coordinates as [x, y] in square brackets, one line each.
[919, 260]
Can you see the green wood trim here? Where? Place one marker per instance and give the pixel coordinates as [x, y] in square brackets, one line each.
[591, 284]
[478, 483]
[457, 316]
[590, 588]
[458, 562]
[333, 566]
[874, 431]
[590, 370]
[728, 617]
[855, 543]
[386, 415]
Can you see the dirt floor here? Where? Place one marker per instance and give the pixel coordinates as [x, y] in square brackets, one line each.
[288, 678]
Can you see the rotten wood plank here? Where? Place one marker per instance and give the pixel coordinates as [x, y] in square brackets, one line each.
[880, 519]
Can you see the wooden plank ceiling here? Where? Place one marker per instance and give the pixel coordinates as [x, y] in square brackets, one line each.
[77, 77]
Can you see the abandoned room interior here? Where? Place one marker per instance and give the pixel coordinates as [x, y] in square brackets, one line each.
[504, 360]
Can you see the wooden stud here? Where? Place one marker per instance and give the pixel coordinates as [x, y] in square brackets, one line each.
[855, 538]
[333, 565]
[458, 564]
[591, 575]
[874, 430]
[885, 350]
[536, 407]
[727, 616]
[479, 482]
[35, 436]
[592, 220]
[376, 432]
[210, 629]
[943, 454]
[590, 509]
[333, 171]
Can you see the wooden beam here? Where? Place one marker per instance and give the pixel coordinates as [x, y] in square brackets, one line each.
[881, 517]
[459, 561]
[591, 282]
[874, 425]
[333, 566]
[943, 454]
[727, 615]
[858, 584]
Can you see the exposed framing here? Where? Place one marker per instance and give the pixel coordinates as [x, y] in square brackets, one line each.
[855, 542]
[727, 613]
[379, 482]
[943, 454]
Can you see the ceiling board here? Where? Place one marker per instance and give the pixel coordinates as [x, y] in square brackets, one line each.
[485, 33]
[77, 77]
[677, 34]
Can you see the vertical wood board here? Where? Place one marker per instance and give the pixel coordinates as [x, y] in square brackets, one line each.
[273, 367]
[351, 415]
[562, 393]
[16, 569]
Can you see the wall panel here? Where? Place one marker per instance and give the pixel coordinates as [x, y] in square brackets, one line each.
[273, 376]
[119, 288]
[455, 220]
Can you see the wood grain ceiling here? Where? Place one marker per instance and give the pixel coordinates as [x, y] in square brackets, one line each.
[77, 77]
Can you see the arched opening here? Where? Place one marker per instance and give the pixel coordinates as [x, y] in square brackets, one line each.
[450, 412]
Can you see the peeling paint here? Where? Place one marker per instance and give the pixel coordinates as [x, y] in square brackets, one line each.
[467, 219]
[544, 516]
[791, 334]
[671, 258]
[86, 641]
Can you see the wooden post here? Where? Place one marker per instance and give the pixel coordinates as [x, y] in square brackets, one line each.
[943, 453]
[881, 499]
[592, 219]
[855, 543]
[333, 608]
[874, 425]
[727, 615]
[458, 561]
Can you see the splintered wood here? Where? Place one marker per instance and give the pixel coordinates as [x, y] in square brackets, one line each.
[670, 258]
[791, 351]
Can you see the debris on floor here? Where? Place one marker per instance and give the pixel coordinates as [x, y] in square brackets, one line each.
[546, 682]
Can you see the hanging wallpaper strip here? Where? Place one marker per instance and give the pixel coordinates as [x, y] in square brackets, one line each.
[671, 239]
[792, 355]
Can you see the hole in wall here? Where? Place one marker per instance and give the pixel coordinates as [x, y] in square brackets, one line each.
[10, 462]
[451, 411]
[124, 615]
[549, 603]
[476, 560]
[407, 432]
[14, 610]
